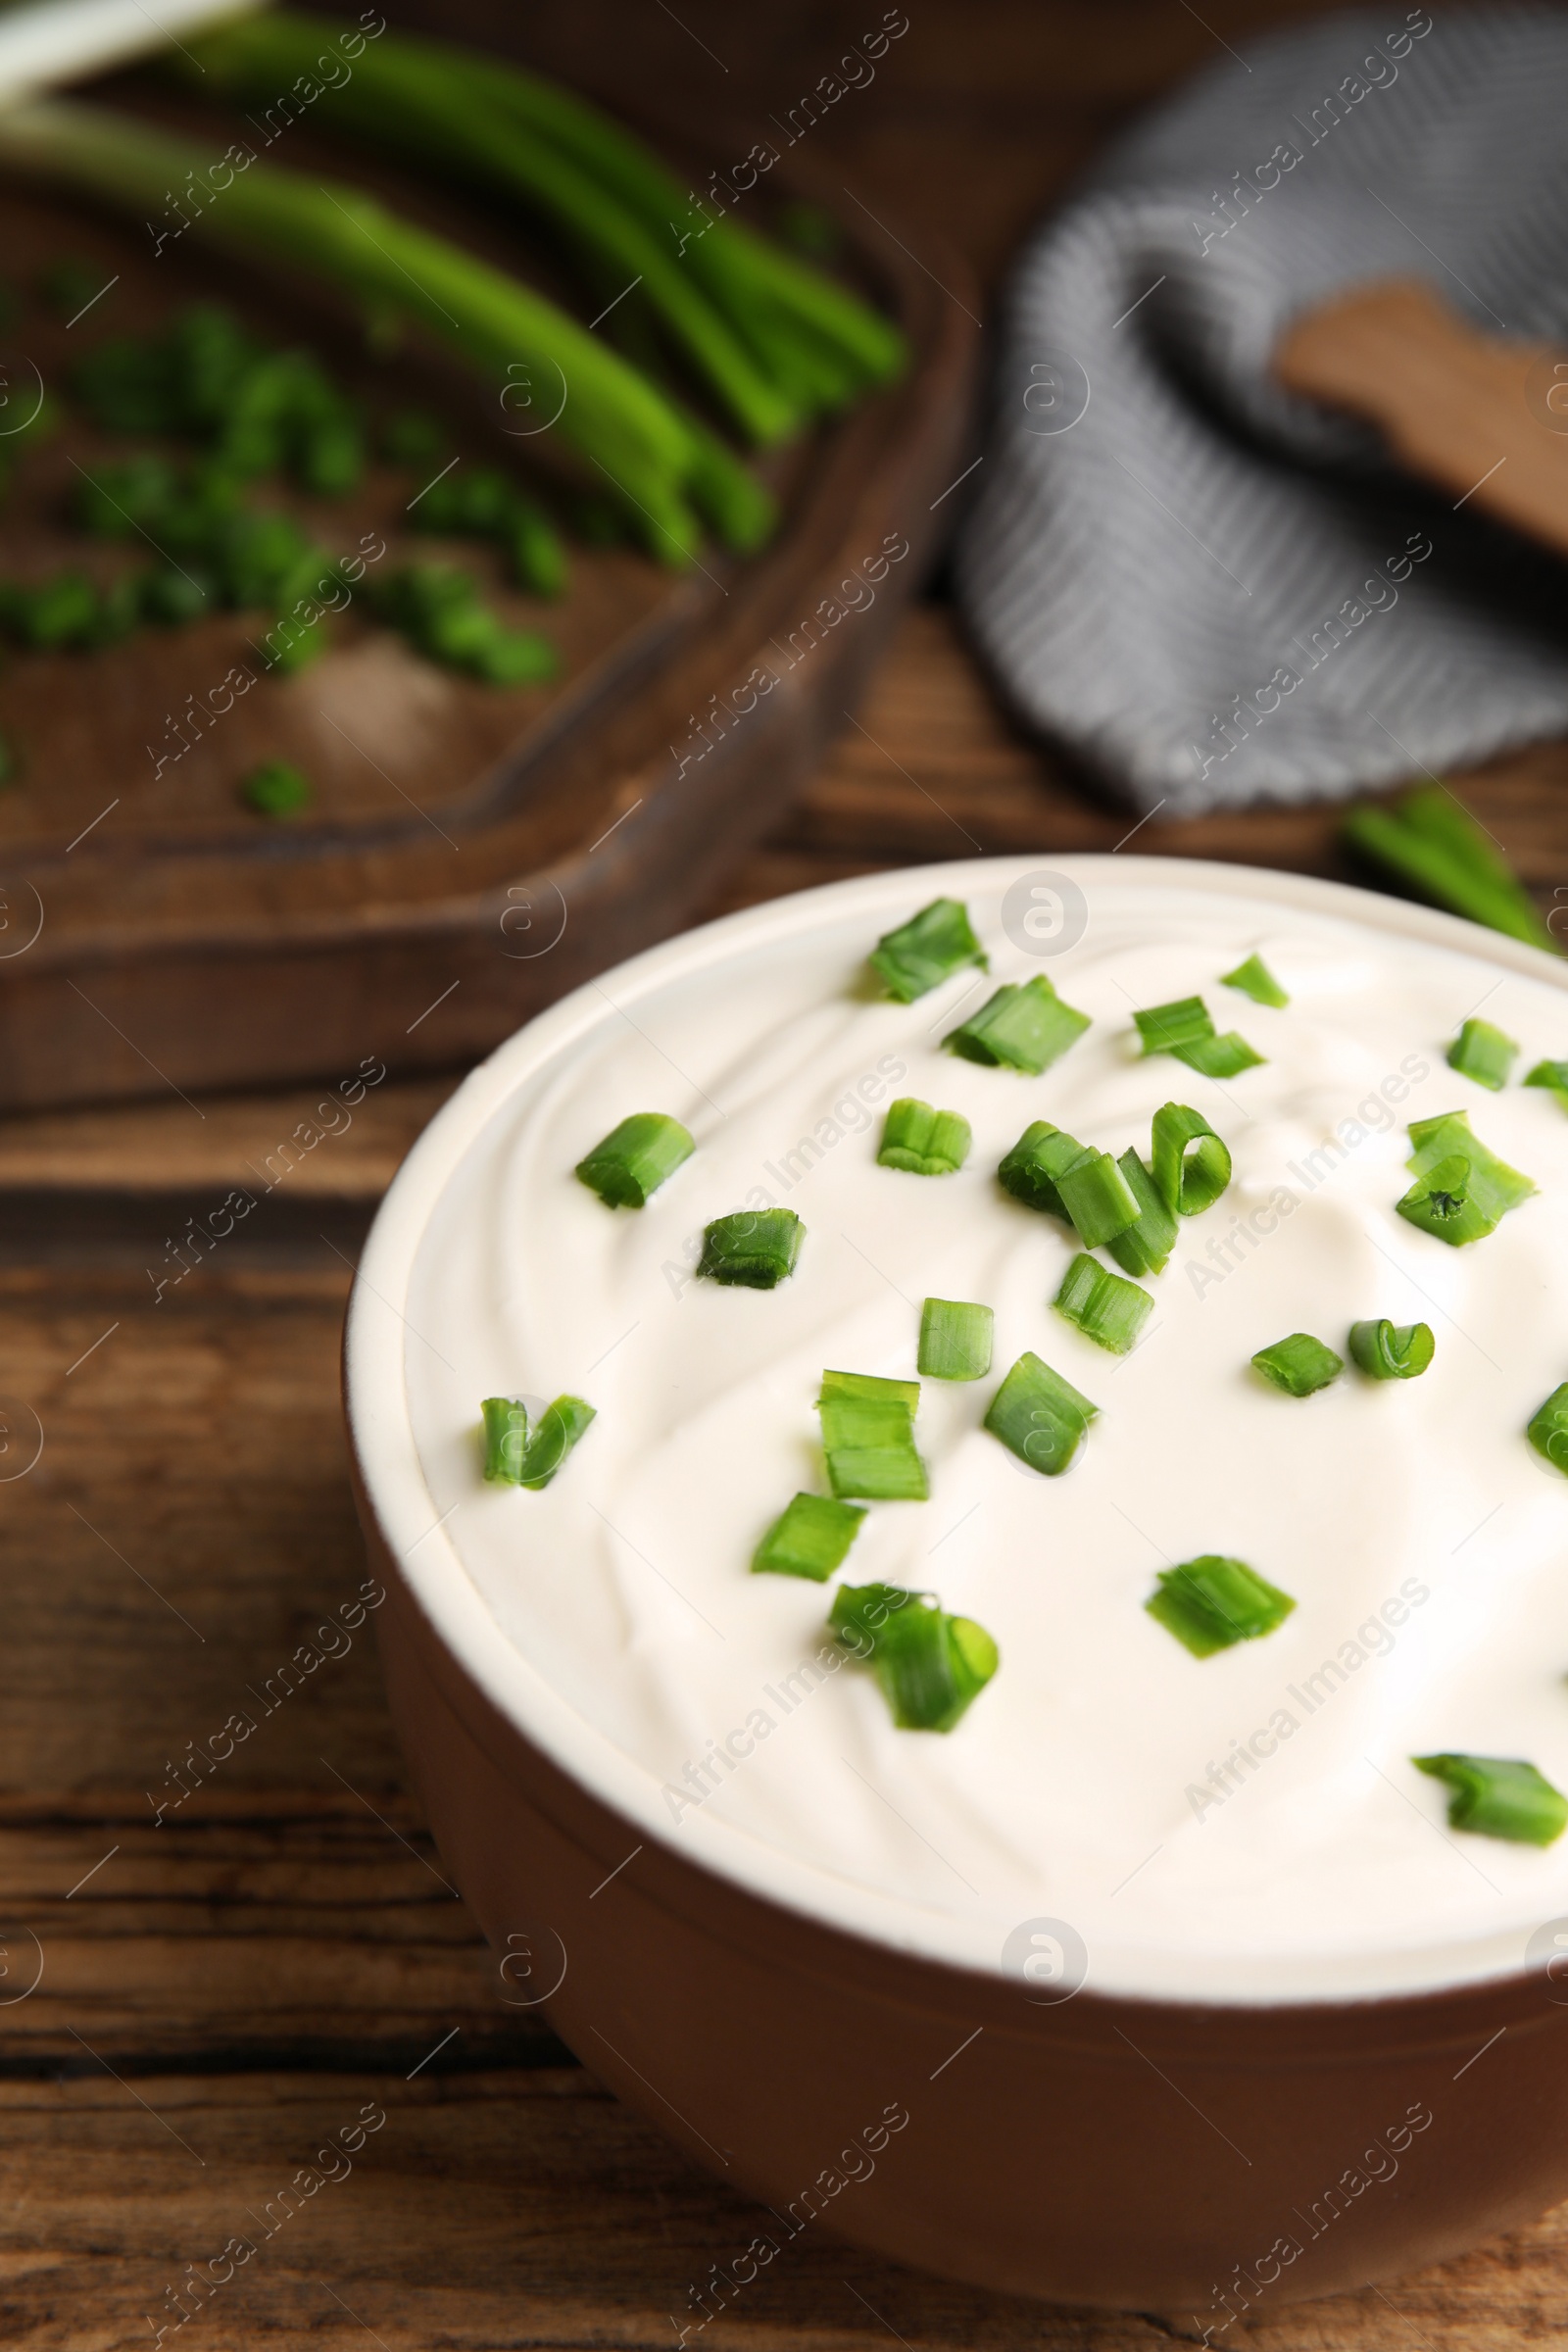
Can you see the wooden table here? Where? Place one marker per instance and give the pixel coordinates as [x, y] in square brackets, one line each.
[280, 1952]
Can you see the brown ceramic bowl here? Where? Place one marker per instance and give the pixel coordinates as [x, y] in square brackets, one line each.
[1205, 2161]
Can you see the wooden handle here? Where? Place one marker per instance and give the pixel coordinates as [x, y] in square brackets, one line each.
[1483, 418]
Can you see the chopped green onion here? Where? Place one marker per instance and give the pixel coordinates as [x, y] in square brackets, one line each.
[1432, 844]
[1463, 1191]
[1186, 1181]
[954, 1339]
[1039, 1416]
[440, 611]
[1107, 1310]
[1484, 1054]
[869, 1451]
[930, 1665]
[1300, 1365]
[484, 503]
[1499, 1796]
[275, 789]
[861, 1424]
[1387, 1352]
[506, 1438]
[755, 1249]
[1548, 1429]
[561, 1425]
[1553, 1074]
[1254, 979]
[1440, 1203]
[811, 1537]
[1220, 1057]
[929, 948]
[414, 437]
[868, 1437]
[1143, 1248]
[1434, 1139]
[1097, 1198]
[924, 1140]
[1213, 1602]
[1167, 1028]
[1184, 1028]
[635, 1159]
[1025, 1028]
[872, 1385]
[1039, 1157]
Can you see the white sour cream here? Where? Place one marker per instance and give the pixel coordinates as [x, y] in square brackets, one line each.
[1243, 1827]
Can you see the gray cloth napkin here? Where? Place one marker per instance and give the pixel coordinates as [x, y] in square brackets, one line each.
[1162, 540]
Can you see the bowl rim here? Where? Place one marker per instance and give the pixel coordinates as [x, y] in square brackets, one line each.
[414, 1532]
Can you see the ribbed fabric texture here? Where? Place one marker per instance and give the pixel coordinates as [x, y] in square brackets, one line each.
[1162, 538]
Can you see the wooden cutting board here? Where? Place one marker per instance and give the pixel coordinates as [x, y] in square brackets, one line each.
[470, 852]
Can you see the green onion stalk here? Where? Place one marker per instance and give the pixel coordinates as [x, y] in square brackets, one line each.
[666, 469]
[1432, 844]
[810, 341]
[394, 99]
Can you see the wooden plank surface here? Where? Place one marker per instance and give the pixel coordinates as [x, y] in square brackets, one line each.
[226, 1983]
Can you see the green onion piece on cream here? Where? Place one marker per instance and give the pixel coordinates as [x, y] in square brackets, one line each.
[1484, 1054]
[1097, 1198]
[1040, 1417]
[924, 1140]
[1300, 1365]
[1254, 979]
[1191, 1166]
[506, 1438]
[1386, 1351]
[1220, 1057]
[954, 1339]
[1184, 1028]
[929, 948]
[1107, 1309]
[757, 1248]
[1025, 1028]
[1166, 1028]
[1144, 1248]
[868, 1437]
[1462, 1191]
[1499, 1796]
[635, 1159]
[559, 1429]
[1548, 1429]
[1439, 1203]
[1553, 1074]
[810, 1537]
[1033, 1167]
[872, 1385]
[1211, 1604]
[930, 1665]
